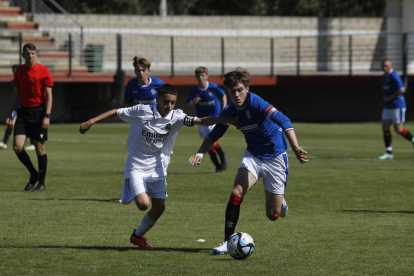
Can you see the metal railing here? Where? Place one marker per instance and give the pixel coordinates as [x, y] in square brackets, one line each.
[180, 55]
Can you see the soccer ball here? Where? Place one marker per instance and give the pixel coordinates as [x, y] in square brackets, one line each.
[240, 245]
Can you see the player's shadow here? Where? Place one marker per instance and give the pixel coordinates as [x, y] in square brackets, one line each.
[376, 211]
[116, 200]
[116, 248]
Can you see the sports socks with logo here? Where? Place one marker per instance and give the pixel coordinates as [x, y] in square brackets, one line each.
[232, 215]
[42, 162]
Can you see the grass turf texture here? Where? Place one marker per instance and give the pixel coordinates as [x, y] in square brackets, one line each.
[349, 213]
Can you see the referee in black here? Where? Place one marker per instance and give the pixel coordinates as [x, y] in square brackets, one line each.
[33, 85]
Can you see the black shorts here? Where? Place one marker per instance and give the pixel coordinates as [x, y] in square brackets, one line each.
[29, 122]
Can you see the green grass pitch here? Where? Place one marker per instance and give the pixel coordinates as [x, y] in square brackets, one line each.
[349, 213]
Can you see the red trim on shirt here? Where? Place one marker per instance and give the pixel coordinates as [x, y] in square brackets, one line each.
[268, 110]
[32, 83]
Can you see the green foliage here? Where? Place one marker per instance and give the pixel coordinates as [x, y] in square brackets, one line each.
[349, 213]
[319, 8]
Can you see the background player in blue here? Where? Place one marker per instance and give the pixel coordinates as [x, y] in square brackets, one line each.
[264, 128]
[394, 107]
[209, 99]
[143, 89]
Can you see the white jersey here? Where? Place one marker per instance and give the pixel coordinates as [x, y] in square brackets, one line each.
[151, 139]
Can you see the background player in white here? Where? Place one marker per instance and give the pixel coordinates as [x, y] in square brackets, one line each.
[264, 128]
[151, 137]
[209, 99]
[143, 89]
[394, 107]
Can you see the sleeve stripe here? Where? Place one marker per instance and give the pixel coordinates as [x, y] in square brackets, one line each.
[288, 129]
[269, 111]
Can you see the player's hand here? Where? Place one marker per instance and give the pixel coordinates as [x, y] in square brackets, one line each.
[194, 160]
[233, 121]
[46, 123]
[85, 126]
[196, 100]
[301, 154]
[8, 121]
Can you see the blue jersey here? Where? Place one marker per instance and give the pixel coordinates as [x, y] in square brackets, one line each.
[391, 83]
[264, 135]
[144, 94]
[209, 104]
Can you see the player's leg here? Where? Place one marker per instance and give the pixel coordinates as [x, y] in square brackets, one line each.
[399, 128]
[386, 125]
[243, 182]
[158, 192]
[222, 155]
[213, 156]
[9, 130]
[18, 144]
[275, 175]
[40, 146]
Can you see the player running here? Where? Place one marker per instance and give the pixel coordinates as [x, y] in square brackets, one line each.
[394, 108]
[151, 139]
[209, 99]
[264, 128]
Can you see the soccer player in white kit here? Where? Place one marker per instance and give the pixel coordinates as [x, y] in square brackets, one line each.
[150, 142]
[264, 128]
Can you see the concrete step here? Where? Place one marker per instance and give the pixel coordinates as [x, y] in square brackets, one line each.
[5, 4]
[19, 25]
[11, 10]
[13, 17]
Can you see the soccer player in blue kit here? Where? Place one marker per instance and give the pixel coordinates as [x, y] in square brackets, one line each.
[143, 89]
[264, 128]
[209, 99]
[394, 108]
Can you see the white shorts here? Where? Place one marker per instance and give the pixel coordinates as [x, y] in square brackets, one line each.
[397, 115]
[205, 130]
[137, 184]
[273, 171]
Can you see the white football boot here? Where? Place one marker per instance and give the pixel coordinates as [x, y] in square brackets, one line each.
[386, 156]
[3, 145]
[285, 209]
[220, 250]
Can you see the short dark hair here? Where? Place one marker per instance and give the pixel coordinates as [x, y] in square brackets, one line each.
[141, 61]
[29, 46]
[238, 75]
[200, 70]
[167, 89]
[385, 60]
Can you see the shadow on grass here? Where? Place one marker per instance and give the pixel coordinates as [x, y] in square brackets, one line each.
[77, 199]
[115, 248]
[375, 211]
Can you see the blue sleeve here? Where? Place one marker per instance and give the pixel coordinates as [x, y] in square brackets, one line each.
[398, 81]
[219, 92]
[128, 96]
[279, 118]
[190, 96]
[219, 130]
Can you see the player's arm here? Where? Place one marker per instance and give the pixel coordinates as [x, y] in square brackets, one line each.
[301, 154]
[208, 121]
[49, 103]
[224, 101]
[16, 95]
[85, 126]
[394, 96]
[205, 146]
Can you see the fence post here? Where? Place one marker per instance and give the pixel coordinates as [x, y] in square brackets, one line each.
[222, 56]
[271, 57]
[404, 59]
[172, 56]
[298, 56]
[33, 10]
[70, 55]
[350, 55]
[119, 80]
[20, 47]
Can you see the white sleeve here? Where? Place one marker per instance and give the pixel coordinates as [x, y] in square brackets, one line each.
[130, 114]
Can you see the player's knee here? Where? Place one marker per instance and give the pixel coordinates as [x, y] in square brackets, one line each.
[402, 131]
[273, 214]
[17, 149]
